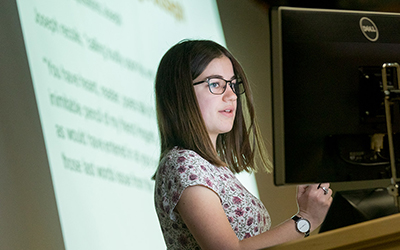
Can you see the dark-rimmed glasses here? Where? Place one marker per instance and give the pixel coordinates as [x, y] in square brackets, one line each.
[217, 86]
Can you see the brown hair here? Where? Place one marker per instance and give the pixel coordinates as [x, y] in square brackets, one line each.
[179, 118]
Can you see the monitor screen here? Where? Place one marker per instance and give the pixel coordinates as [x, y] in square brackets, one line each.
[327, 94]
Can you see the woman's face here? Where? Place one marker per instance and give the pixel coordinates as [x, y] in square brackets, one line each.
[218, 111]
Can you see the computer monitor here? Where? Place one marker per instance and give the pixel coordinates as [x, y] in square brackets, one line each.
[327, 94]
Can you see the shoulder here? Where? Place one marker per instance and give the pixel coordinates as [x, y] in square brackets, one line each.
[183, 168]
[177, 155]
[181, 159]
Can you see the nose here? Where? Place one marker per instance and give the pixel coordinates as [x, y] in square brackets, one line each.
[229, 95]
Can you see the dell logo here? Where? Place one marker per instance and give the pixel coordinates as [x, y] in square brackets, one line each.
[369, 29]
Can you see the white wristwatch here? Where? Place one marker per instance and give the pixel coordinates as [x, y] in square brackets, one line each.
[302, 225]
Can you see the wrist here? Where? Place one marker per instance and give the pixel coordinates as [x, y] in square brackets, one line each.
[302, 225]
[314, 223]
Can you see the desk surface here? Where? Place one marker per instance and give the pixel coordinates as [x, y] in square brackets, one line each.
[382, 233]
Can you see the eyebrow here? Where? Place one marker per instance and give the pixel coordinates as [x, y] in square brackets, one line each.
[220, 77]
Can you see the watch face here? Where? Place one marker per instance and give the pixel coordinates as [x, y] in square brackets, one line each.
[303, 225]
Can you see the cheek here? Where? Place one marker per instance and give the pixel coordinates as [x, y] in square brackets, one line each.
[206, 105]
[202, 101]
[204, 109]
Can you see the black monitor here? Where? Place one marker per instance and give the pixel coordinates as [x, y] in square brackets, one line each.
[327, 94]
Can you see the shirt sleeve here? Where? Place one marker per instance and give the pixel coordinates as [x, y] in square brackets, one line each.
[181, 170]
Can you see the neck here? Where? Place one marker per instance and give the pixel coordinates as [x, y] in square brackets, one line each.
[214, 141]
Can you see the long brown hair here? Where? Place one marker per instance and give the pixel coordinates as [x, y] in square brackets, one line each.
[179, 118]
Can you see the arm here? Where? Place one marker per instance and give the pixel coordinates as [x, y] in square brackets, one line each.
[201, 210]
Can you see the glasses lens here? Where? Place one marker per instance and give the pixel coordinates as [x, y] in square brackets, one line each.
[238, 87]
[217, 86]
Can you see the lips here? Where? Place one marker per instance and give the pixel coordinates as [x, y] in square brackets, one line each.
[229, 111]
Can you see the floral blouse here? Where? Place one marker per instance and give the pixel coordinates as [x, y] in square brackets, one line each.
[183, 168]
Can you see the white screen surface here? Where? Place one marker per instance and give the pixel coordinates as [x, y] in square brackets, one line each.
[93, 65]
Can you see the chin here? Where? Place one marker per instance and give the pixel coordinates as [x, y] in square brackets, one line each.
[226, 130]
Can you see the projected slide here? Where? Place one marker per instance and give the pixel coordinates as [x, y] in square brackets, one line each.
[93, 65]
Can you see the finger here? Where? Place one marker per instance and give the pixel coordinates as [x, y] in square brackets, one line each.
[303, 188]
[325, 190]
[326, 185]
[313, 187]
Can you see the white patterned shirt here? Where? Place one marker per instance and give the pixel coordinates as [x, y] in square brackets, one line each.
[183, 168]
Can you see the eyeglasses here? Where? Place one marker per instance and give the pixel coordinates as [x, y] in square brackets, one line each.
[217, 86]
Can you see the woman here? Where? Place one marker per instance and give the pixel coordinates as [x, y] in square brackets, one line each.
[208, 132]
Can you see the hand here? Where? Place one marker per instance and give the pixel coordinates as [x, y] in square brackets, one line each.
[313, 203]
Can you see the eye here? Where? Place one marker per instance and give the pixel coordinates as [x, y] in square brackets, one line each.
[214, 83]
